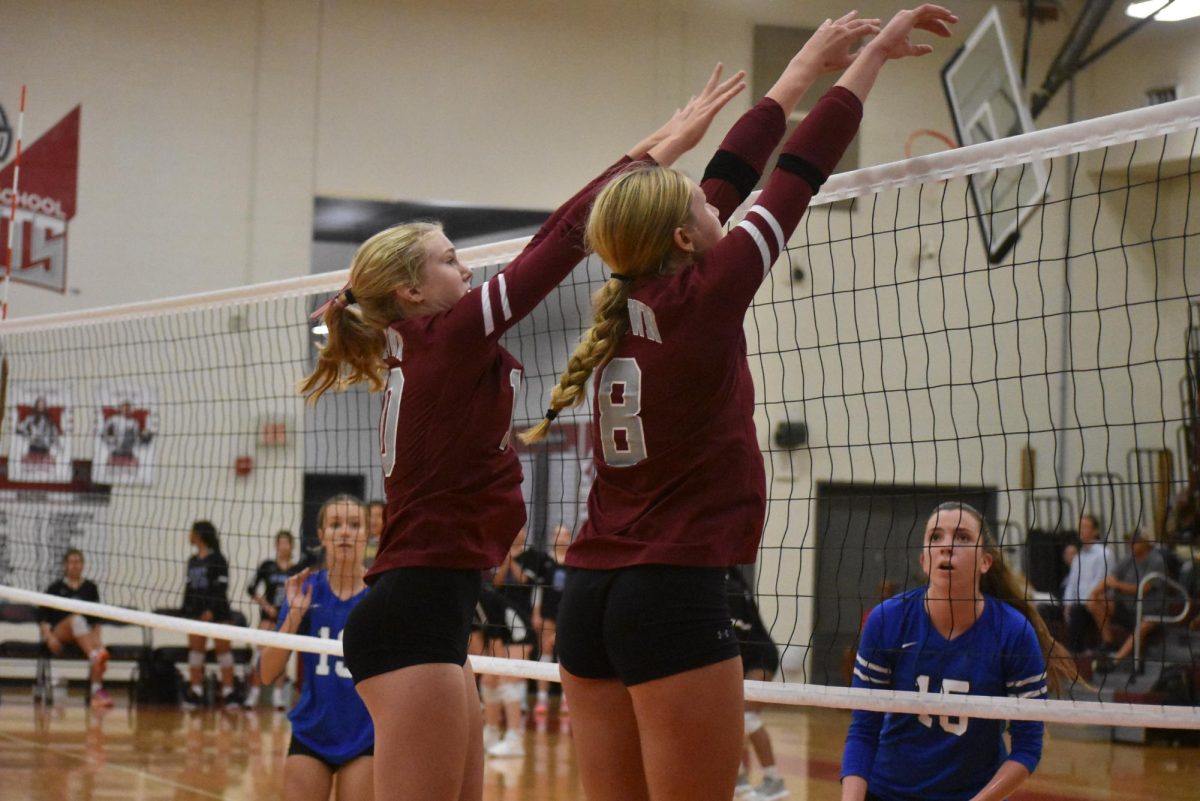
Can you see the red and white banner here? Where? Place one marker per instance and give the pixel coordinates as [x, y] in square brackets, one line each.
[45, 203]
[41, 433]
[126, 425]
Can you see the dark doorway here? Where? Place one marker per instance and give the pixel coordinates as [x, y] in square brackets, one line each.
[865, 534]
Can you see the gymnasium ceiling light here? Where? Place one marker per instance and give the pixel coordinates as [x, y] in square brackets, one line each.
[1176, 11]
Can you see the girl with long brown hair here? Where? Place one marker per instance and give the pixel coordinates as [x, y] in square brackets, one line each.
[969, 630]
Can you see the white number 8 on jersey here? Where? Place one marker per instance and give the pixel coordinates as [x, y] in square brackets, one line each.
[620, 402]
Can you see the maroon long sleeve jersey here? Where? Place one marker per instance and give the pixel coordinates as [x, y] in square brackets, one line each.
[452, 481]
[679, 475]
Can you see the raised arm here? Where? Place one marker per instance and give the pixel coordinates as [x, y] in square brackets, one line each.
[739, 162]
[292, 615]
[812, 152]
[502, 301]
[893, 42]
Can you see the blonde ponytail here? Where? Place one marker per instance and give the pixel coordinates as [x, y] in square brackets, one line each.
[359, 314]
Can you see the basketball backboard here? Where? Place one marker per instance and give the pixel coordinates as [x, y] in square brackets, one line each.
[988, 103]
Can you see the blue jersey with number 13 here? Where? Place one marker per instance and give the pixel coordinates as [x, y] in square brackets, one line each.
[330, 718]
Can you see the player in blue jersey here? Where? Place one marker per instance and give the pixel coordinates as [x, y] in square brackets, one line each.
[332, 733]
[968, 631]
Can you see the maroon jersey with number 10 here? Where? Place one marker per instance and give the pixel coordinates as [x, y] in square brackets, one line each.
[679, 473]
[452, 481]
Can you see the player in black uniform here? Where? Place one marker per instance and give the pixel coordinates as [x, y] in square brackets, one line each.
[760, 661]
[206, 597]
[61, 628]
[272, 575]
[505, 616]
[548, 575]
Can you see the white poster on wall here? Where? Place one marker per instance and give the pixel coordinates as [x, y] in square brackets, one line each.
[40, 449]
[126, 424]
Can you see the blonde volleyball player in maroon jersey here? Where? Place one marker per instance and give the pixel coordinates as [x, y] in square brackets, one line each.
[650, 661]
[410, 324]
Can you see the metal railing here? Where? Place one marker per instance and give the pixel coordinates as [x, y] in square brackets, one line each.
[1142, 617]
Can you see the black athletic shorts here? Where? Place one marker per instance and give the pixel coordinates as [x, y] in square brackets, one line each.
[300, 749]
[644, 622]
[501, 620]
[760, 655]
[411, 616]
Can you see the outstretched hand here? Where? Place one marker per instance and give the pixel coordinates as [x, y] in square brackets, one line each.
[687, 125]
[299, 597]
[830, 48]
[893, 41]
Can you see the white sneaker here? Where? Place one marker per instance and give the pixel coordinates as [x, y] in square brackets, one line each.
[770, 790]
[491, 736]
[282, 696]
[251, 699]
[743, 788]
[513, 745]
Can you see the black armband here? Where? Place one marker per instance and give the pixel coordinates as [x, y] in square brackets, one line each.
[731, 168]
[803, 168]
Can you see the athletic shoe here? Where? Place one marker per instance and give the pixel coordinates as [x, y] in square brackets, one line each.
[251, 699]
[192, 699]
[232, 700]
[101, 699]
[743, 788]
[282, 696]
[513, 745]
[542, 708]
[491, 736]
[770, 790]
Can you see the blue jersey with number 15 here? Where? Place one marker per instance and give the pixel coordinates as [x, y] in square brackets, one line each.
[330, 718]
[942, 757]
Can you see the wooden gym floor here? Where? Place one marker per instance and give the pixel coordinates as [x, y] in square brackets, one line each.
[65, 753]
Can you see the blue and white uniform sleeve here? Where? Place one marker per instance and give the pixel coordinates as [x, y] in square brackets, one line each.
[872, 670]
[1025, 677]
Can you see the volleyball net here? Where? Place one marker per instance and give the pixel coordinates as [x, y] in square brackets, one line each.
[895, 368]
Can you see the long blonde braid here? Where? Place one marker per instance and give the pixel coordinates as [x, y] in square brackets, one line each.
[631, 227]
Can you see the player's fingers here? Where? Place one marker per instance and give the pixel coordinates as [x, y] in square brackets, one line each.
[714, 78]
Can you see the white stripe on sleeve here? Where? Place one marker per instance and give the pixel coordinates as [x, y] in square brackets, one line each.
[770, 220]
[872, 665]
[1022, 682]
[759, 240]
[870, 680]
[488, 325]
[504, 297]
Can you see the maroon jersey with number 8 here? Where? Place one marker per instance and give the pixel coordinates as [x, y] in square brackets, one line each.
[679, 473]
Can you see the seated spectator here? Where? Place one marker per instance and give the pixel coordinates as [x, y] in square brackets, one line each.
[1113, 604]
[60, 629]
[1093, 562]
